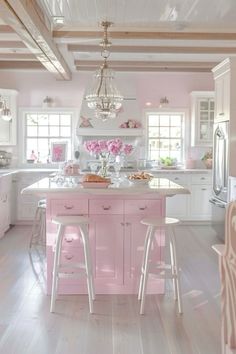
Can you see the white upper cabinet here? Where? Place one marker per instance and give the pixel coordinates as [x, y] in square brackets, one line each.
[202, 117]
[8, 129]
[222, 93]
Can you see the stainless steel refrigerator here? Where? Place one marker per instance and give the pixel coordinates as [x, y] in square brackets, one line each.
[220, 191]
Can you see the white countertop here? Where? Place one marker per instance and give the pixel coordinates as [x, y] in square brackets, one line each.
[162, 186]
[6, 171]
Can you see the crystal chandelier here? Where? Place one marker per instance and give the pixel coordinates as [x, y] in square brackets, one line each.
[104, 97]
[5, 112]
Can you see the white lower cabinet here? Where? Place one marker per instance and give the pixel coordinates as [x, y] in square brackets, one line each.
[194, 206]
[5, 203]
[27, 203]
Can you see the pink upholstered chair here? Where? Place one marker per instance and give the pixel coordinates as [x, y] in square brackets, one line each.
[227, 263]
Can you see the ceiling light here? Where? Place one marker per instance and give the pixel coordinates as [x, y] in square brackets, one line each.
[103, 96]
[58, 20]
[148, 104]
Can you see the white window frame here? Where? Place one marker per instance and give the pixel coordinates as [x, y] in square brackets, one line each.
[186, 132]
[22, 131]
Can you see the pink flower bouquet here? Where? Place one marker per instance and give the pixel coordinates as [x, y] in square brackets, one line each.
[105, 148]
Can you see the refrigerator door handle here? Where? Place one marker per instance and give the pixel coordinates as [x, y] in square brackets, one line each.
[220, 204]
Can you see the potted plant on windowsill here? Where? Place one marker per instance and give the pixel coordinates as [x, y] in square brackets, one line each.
[207, 159]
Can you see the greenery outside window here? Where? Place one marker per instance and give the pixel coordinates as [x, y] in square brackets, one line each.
[165, 135]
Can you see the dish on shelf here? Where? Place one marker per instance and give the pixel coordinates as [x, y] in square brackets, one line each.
[95, 184]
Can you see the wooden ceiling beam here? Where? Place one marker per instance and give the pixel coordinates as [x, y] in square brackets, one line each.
[12, 44]
[93, 64]
[17, 56]
[6, 29]
[23, 17]
[146, 35]
[81, 48]
[17, 65]
[150, 69]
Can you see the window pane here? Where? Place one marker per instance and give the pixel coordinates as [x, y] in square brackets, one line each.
[54, 119]
[65, 119]
[164, 132]
[54, 131]
[175, 120]
[31, 145]
[164, 144]
[32, 131]
[43, 150]
[164, 120]
[32, 119]
[175, 132]
[65, 131]
[153, 120]
[42, 119]
[153, 132]
[175, 144]
[42, 131]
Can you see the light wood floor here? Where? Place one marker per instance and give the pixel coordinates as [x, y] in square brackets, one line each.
[27, 327]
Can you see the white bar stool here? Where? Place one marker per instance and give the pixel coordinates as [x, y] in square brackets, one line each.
[171, 271]
[38, 233]
[82, 224]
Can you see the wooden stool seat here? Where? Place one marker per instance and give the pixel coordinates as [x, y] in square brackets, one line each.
[80, 268]
[161, 270]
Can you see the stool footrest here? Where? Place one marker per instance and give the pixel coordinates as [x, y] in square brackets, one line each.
[71, 275]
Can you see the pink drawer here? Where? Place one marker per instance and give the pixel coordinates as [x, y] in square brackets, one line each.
[69, 256]
[143, 207]
[106, 206]
[69, 207]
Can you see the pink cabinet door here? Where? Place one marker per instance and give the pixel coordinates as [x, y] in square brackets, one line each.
[107, 242]
[135, 234]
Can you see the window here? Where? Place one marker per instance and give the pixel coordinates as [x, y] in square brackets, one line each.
[44, 128]
[165, 135]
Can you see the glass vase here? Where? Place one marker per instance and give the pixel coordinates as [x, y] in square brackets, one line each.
[103, 171]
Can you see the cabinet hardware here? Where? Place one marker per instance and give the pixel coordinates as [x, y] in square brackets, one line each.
[122, 224]
[203, 189]
[68, 239]
[68, 207]
[221, 114]
[68, 257]
[106, 207]
[176, 178]
[202, 177]
[143, 208]
[127, 223]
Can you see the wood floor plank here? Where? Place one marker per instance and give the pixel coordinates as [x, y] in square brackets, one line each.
[27, 326]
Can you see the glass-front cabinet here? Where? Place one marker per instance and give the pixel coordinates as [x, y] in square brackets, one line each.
[202, 118]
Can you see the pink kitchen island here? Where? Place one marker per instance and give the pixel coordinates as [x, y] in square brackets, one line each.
[116, 235]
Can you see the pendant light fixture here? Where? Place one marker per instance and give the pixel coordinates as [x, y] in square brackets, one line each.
[104, 97]
[5, 112]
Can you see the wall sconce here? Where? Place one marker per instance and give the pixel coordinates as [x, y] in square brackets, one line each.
[163, 102]
[5, 112]
[47, 102]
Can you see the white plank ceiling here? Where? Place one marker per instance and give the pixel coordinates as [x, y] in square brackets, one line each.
[147, 35]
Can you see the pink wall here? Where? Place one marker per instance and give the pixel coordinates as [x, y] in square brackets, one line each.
[34, 86]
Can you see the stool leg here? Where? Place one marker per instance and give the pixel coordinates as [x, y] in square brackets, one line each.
[177, 273]
[88, 266]
[172, 261]
[56, 266]
[143, 263]
[34, 227]
[146, 267]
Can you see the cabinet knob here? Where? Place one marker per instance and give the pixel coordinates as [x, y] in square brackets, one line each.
[203, 178]
[68, 256]
[143, 208]
[68, 239]
[122, 224]
[106, 207]
[176, 178]
[68, 207]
